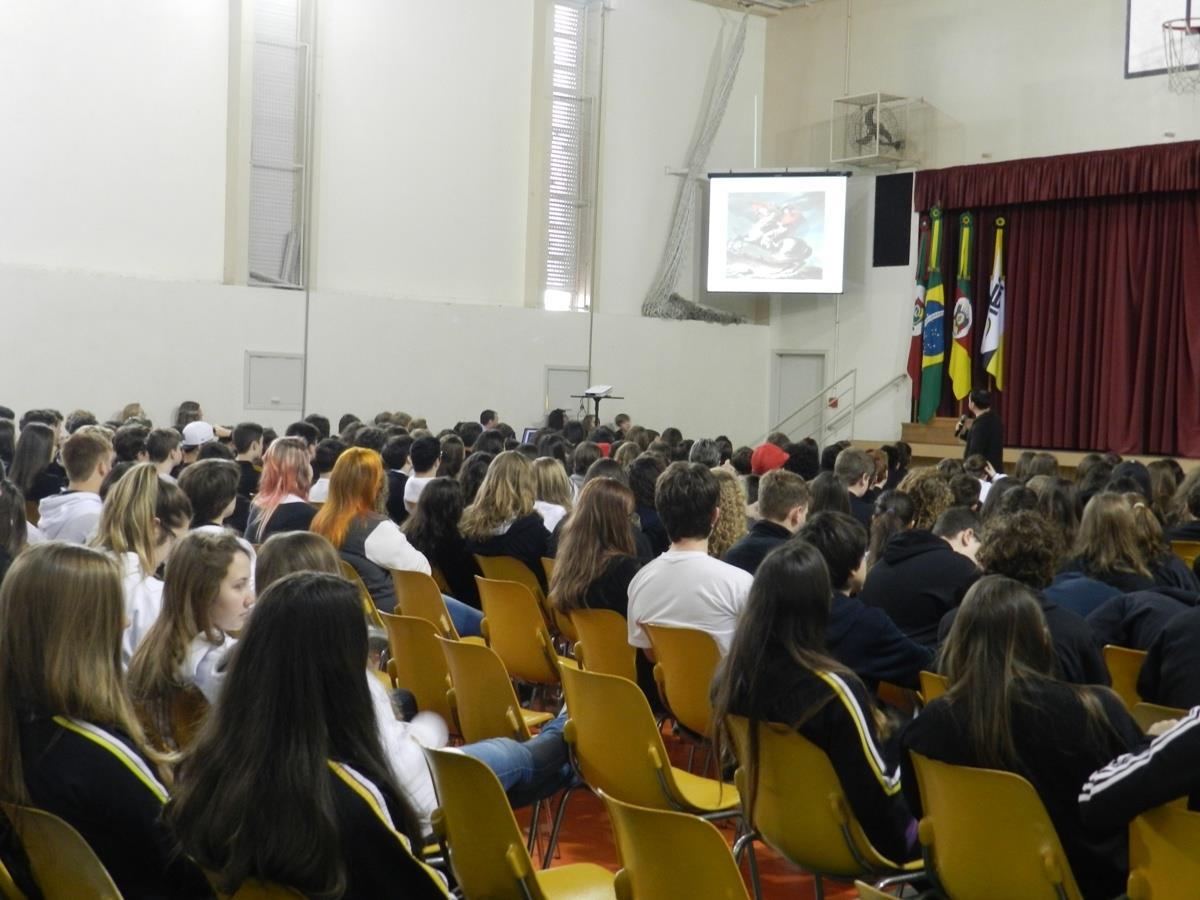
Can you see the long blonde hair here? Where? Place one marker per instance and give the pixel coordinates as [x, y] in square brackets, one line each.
[127, 519]
[599, 529]
[731, 524]
[507, 493]
[62, 615]
[550, 481]
[193, 580]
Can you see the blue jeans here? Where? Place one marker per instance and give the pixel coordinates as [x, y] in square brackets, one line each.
[466, 619]
[530, 771]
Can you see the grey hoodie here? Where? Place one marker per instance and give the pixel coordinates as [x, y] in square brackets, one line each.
[70, 516]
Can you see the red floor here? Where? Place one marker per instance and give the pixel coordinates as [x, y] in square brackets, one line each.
[587, 837]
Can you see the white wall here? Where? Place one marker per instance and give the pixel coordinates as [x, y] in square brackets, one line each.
[1011, 80]
[113, 156]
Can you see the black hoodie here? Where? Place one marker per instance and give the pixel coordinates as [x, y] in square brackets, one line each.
[916, 581]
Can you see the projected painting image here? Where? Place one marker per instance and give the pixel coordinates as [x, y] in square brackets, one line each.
[775, 235]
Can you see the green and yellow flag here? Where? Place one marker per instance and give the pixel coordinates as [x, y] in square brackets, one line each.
[933, 332]
[960, 350]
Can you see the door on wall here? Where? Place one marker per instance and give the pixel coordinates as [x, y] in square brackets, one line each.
[797, 378]
[561, 383]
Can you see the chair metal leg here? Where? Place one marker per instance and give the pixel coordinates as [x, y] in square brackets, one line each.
[818, 887]
[534, 820]
[745, 844]
[691, 757]
[558, 820]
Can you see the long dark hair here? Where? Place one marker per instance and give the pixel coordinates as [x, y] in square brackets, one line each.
[254, 797]
[434, 522]
[598, 529]
[894, 512]
[34, 452]
[999, 647]
[785, 616]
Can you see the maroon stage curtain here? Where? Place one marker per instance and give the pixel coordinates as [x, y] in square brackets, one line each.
[1102, 258]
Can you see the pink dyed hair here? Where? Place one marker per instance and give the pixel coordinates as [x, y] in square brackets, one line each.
[286, 470]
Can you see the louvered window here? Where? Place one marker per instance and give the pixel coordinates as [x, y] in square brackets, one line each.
[570, 213]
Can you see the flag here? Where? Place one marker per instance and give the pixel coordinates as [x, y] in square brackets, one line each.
[933, 336]
[918, 311]
[960, 350]
[992, 348]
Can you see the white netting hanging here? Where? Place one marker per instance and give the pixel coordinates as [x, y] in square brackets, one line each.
[659, 301]
[1181, 43]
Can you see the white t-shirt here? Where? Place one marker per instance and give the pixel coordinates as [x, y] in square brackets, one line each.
[412, 491]
[319, 492]
[143, 603]
[551, 513]
[688, 589]
[204, 665]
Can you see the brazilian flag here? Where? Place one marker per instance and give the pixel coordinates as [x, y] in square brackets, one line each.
[933, 333]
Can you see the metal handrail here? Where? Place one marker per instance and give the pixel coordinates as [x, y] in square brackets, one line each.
[835, 390]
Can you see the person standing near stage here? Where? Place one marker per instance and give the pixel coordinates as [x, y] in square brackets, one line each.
[982, 429]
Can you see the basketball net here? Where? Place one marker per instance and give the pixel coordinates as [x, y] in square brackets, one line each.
[1181, 43]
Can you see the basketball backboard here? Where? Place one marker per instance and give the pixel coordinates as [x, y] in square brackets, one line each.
[1144, 52]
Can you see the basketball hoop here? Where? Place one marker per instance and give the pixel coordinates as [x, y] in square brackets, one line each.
[1181, 44]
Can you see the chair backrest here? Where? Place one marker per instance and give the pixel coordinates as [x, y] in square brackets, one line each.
[1187, 551]
[1124, 665]
[487, 852]
[976, 817]
[603, 644]
[1147, 714]
[687, 659]
[516, 629]
[800, 808]
[370, 610]
[418, 595]
[614, 739]
[417, 663]
[509, 568]
[482, 702]
[1163, 858]
[933, 685]
[60, 860]
[672, 854]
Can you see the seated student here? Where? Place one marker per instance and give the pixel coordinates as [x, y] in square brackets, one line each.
[129, 443]
[1106, 548]
[553, 492]
[585, 453]
[208, 590]
[730, 528]
[502, 520]
[368, 540]
[33, 469]
[1025, 547]
[685, 587]
[1136, 620]
[966, 492]
[295, 702]
[433, 530]
[893, 513]
[828, 493]
[1170, 675]
[856, 471]
[143, 516]
[14, 528]
[72, 745]
[1007, 710]
[471, 475]
[919, 576]
[195, 436]
[424, 455]
[959, 527]
[1167, 569]
[308, 433]
[1186, 508]
[395, 460]
[596, 552]
[860, 637]
[643, 476]
[73, 515]
[778, 670]
[783, 500]
[324, 459]
[281, 503]
[164, 449]
[211, 486]
[248, 445]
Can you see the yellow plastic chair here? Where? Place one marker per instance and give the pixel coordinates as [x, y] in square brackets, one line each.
[60, 860]
[515, 628]
[485, 847]
[987, 836]
[603, 644]
[687, 659]
[1147, 714]
[1124, 665]
[800, 808]
[671, 854]
[933, 685]
[417, 663]
[370, 610]
[418, 594]
[1164, 862]
[1187, 551]
[482, 702]
[866, 892]
[509, 568]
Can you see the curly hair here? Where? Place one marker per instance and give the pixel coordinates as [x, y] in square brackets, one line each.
[731, 526]
[1023, 545]
[930, 494]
